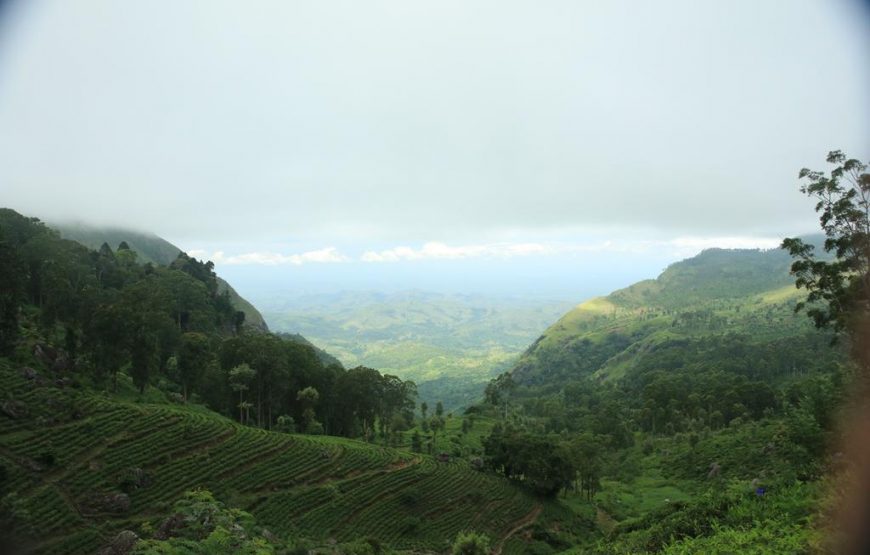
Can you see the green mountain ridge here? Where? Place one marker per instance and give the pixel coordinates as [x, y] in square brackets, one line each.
[716, 293]
[151, 248]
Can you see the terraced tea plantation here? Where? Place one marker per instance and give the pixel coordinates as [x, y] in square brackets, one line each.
[79, 468]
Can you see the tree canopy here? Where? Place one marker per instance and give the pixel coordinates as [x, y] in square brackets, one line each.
[838, 289]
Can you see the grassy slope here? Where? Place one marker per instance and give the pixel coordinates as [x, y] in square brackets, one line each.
[315, 487]
[154, 249]
[717, 292]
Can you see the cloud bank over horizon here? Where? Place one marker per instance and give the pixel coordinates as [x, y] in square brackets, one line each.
[435, 250]
[395, 122]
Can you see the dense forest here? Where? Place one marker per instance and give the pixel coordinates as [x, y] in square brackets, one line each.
[101, 312]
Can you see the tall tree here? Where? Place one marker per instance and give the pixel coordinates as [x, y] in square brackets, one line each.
[11, 294]
[240, 379]
[838, 289]
[193, 359]
[308, 399]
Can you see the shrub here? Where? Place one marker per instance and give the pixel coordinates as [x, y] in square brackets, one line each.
[470, 543]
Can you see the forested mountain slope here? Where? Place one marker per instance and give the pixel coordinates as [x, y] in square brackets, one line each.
[697, 410]
[723, 297]
[154, 249]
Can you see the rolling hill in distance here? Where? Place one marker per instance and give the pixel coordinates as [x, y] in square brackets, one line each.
[450, 345]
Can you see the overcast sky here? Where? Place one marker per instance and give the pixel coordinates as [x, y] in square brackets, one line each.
[328, 132]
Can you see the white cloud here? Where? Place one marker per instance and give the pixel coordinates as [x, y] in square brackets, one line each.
[685, 247]
[701, 243]
[436, 250]
[266, 258]
[681, 246]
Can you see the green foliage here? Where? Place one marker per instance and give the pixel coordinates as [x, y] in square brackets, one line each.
[838, 289]
[735, 518]
[719, 292]
[672, 389]
[325, 358]
[470, 543]
[296, 486]
[167, 324]
[285, 423]
[204, 525]
[12, 277]
[158, 252]
[543, 463]
[194, 355]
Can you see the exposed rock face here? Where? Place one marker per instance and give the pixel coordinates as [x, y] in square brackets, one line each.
[121, 544]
